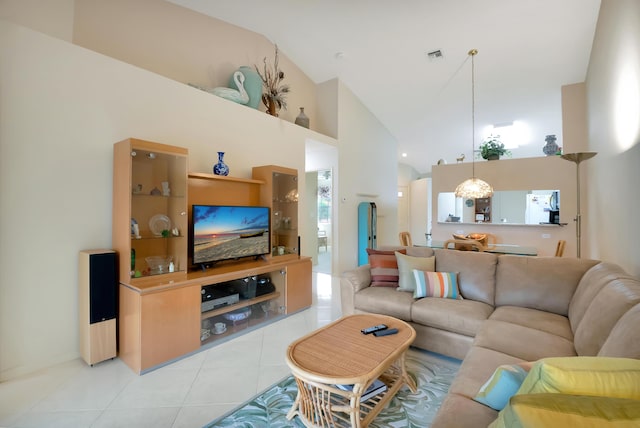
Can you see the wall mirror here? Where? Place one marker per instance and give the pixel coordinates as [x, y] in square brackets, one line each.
[504, 207]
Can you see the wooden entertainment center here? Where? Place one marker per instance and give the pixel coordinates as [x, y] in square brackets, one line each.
[161, 312]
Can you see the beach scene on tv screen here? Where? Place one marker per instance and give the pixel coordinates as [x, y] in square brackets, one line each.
[223, 232]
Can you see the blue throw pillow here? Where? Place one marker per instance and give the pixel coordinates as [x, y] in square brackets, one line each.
[501, 386]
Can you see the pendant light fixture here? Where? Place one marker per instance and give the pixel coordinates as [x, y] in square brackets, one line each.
[473, 188]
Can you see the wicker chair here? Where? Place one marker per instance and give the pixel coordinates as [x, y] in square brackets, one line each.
[405, 239]
[463, 245]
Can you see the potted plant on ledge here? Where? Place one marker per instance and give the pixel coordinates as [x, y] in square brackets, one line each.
[492, 148]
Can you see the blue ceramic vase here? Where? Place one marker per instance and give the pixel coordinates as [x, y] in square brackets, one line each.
[221, 168]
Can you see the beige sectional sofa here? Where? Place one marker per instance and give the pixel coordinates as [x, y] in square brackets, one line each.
[514, 309]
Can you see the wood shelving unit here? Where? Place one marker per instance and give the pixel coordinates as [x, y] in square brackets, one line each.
[160, 317]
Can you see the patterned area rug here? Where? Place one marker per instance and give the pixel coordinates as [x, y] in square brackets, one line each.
[433, 375]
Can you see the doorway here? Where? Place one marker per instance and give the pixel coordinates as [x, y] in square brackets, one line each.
[324, 201]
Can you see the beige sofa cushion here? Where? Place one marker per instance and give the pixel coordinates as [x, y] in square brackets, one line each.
[533, 318]
[522, 342]
[419, 251]
[406, 265]
[590, 285]
[544, 283]
[623, 339]
[477, 272]
[457, 411]
[477, 367]
[441, 341]
[410, 251]
[607, 307]
[385, 301]
[459, 316]
[351, 282]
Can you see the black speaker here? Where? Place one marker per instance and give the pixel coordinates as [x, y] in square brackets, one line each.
[103, 287]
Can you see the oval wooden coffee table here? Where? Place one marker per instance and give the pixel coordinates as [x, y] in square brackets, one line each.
[339, 354]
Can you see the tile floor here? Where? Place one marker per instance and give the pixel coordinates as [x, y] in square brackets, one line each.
[187, 393]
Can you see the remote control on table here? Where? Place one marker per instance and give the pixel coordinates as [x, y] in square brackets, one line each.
[373, 329]
[385, 332]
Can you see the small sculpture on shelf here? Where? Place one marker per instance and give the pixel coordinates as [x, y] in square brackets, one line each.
[238, 95]
[135, 229]
[166, 191]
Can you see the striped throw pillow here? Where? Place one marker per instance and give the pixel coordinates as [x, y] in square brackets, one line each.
[384, 267]
[436, 284]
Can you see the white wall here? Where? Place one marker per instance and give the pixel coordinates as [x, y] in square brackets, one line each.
[367, 172]
[53, 17]
[420, 220]
[612, 177]
[62, 109]
[185, 45]
[574, 118]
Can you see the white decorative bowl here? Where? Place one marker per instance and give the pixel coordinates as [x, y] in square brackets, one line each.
[238, 315]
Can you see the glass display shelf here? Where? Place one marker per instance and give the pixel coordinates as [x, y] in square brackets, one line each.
[151, 275]
[262, 310]
[241, 304]
[155, 237]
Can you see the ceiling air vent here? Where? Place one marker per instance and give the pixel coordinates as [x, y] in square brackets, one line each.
[433, 55]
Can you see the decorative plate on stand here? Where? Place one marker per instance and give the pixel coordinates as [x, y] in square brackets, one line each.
[158, 223]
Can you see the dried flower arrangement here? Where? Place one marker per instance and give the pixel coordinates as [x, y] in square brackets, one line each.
[274, 95]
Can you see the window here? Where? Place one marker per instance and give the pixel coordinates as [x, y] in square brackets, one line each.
[324, 196]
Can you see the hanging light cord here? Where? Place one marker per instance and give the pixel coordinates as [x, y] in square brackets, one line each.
[473, 53]
[473, 187]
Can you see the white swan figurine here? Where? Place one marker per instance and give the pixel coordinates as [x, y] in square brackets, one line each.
[239, 96]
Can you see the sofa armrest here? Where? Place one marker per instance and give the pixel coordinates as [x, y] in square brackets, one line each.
[351, 282]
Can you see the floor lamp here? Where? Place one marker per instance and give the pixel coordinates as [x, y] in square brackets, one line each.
[577, 158]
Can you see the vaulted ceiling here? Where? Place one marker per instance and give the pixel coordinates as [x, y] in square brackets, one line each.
[527, 50]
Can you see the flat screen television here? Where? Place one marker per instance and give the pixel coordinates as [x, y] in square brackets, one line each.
[223, 232]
